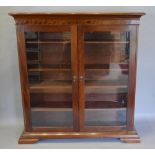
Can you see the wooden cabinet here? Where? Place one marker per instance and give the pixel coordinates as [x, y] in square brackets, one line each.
[78, 74]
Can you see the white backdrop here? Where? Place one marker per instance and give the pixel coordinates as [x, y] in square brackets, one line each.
[10, 98]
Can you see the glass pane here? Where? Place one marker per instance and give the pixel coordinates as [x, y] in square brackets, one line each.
[50, 78]
[106, 61]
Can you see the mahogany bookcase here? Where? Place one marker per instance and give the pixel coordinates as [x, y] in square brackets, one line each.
[78, 74]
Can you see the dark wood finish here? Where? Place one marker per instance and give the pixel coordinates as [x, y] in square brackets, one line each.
[132, 79]
[23, 78]
[81, 81]
[74, 87]
[74, 56]
[27, 140]
[124, 136]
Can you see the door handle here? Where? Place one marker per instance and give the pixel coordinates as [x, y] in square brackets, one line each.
[81, 78]
[74, 78]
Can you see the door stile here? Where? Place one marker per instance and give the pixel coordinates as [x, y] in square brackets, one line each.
[23, 77]
[81, 77]
[74, 63]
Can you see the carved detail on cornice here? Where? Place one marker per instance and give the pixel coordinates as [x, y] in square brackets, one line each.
[66, 21]
[106, 21]
[41, 21]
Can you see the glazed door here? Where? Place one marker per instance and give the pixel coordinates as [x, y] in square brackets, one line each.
[52, 77]
[105, 91]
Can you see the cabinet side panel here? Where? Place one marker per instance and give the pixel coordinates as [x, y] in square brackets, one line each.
[23, 77]
[132, 78]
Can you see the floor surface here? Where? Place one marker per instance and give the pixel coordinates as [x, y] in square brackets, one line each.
[146, 128]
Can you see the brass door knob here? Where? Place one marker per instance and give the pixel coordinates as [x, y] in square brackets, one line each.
[74, 78]
[81, 78]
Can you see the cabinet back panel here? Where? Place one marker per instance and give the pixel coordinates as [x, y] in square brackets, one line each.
[55, 54]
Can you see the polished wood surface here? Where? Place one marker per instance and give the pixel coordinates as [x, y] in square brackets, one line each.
[87, 14]
[23, 78]
[74, 87]
[124, 136]
[74, 18]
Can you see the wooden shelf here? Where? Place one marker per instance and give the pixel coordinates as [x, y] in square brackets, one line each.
[40, 109]
[105, 88]
[67, 69]
[88, 104]
[51, 109]
[49, 69]
[87, 66]
[67, 42]
[66, 86]
[103, 83]
[68, 105]
[98, 124]
[98, 109]
[48, 42]
[103, 105]
[51, 86]
[106, 65]
[33, 62]
[102, 87]
[105, 69]
[32, 50]
[106, 42]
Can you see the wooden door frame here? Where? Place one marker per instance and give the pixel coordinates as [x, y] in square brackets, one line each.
[23, 77]
[131, 81]
[20, 30]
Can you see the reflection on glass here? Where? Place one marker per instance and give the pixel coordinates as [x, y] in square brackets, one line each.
[106, 57]
[50, 78]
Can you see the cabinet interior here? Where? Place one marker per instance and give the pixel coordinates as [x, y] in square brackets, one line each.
[106, 56]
